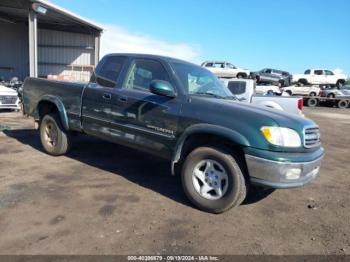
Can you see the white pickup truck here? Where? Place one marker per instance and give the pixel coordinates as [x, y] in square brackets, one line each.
[245, 91]
[320, 77]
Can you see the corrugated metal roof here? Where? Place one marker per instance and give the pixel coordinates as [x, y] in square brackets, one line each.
[66, 12]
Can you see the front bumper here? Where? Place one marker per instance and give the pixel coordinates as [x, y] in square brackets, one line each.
[15, 106]
[282, 174]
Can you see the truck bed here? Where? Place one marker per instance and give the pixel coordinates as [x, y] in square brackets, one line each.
[68, 93]
[288, 104]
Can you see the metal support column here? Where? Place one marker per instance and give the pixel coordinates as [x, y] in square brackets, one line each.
[33, 44]
[97, 50]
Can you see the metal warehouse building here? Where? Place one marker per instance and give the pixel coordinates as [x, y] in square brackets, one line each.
[38, 38]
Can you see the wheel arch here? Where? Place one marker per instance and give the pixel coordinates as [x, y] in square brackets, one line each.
[201, 134]
[48, 104]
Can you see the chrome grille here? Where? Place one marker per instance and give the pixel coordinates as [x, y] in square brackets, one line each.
[8, 100]
[312, 137]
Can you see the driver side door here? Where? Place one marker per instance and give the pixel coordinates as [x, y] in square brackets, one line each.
[144, 119]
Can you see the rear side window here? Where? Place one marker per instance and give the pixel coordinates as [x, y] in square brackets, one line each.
[110, 70]
[319, 72]
[209, 65]
[219, 65]
[237, 87]
[142, 72]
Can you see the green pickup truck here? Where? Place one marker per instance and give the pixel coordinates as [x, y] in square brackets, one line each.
[181, 112]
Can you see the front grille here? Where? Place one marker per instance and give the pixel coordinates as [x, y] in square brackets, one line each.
[8, 100]
[312, 137]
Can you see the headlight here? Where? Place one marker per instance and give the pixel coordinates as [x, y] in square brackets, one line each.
[281, 136]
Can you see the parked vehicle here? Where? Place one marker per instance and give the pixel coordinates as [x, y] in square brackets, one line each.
[225, 69]
[263, 89]
[274, 76]
[336, 92]
[9, 98]
[320, 77]
[183, 113]
[302, 90]
[244, 91]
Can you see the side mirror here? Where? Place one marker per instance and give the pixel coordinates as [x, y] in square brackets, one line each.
[162, 88]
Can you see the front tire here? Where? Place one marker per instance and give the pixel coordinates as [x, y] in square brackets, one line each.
[213, 179]
[340, 83]
[303, 82]
[54, 139]
[312, 94]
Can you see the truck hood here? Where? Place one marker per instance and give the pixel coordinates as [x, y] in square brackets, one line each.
[248, 119]
[7, 91]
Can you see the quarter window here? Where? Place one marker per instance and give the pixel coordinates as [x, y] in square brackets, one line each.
[110, 70]
[142, 72]
[237, 88]
[231, 66]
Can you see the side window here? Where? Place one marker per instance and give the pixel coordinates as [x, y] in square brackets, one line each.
[110, 70]
[319, 72]
[237, 88]
[329, 73]
[307, 72]
[219, 65]
[142, 72]
[209, 65]
[268, 71]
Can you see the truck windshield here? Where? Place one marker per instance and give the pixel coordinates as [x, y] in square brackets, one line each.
[199, 81]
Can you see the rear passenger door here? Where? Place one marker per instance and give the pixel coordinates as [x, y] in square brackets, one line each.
[319, 77]
[146, 120]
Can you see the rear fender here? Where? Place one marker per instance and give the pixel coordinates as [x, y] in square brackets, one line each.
[60, 107]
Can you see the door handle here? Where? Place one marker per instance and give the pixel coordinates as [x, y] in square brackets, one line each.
[123, 99]
[107, 96]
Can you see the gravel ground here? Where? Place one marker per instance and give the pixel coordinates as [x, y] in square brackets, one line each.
[106, 199]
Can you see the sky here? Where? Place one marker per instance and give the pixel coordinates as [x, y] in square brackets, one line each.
[291, 35]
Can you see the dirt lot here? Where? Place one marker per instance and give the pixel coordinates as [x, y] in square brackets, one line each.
[106, 199]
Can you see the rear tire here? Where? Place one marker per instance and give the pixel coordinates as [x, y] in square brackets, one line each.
[54, 139]
[209, 165]
[312, 102]
[343, 104]
[289, 92]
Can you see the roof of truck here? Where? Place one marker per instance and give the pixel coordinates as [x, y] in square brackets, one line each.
[166, 58]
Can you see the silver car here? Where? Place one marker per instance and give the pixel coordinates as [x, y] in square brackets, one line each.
[335, 92]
